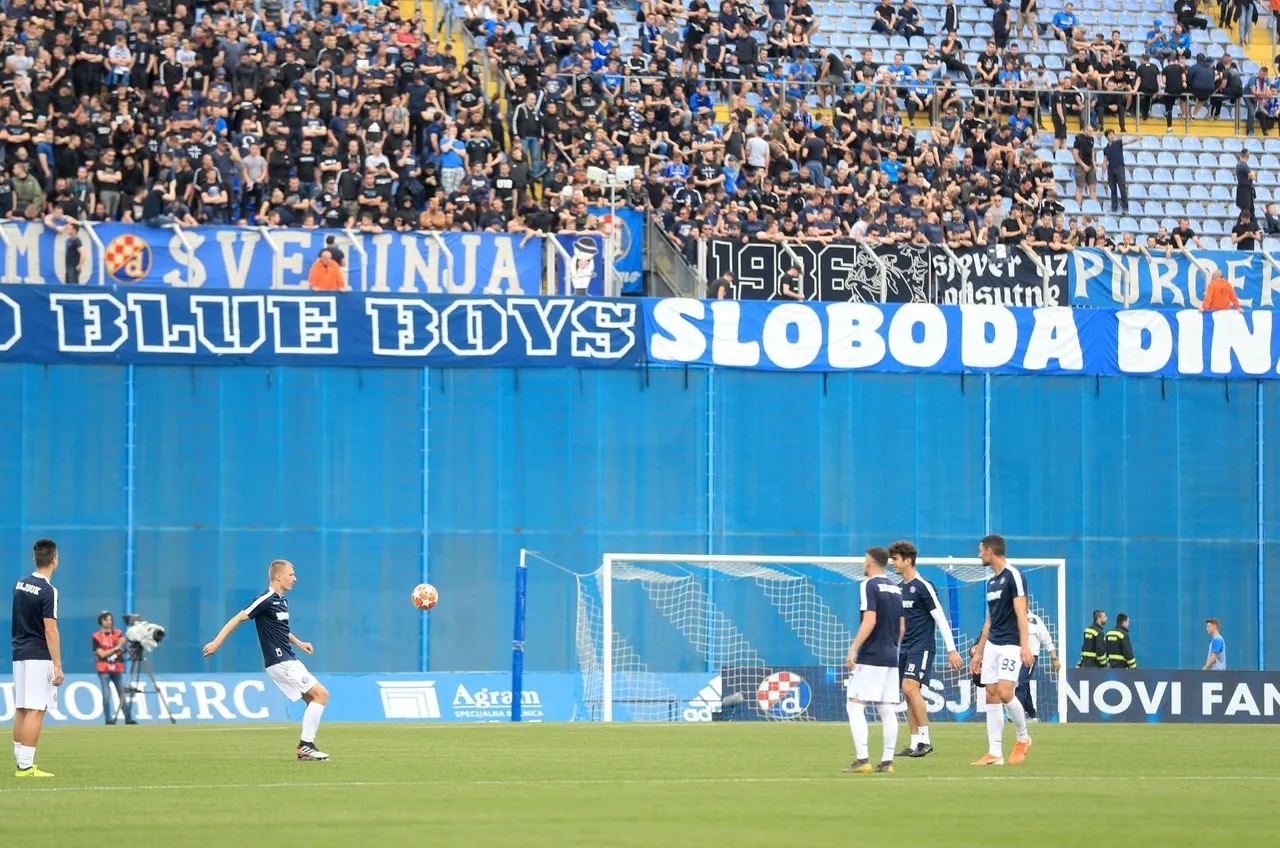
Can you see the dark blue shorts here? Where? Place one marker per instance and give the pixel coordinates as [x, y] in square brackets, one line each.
[914, 665]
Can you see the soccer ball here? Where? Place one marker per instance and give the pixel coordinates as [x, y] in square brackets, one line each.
[425, 596]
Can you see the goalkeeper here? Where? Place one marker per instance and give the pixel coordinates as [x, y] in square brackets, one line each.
[923, 615]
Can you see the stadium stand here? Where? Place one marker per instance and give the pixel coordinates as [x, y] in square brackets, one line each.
[489, 115]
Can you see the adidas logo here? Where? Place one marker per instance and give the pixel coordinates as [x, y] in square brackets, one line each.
[705, 702]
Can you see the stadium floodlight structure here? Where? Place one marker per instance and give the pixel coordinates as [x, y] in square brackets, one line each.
[770, 634]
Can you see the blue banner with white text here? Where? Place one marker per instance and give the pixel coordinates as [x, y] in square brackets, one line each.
[1159, 281]
[54, 324]
[918, 337]
[254, 258]
[626, 228]
[426, 697]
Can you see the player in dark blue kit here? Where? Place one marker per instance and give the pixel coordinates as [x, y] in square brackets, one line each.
[873, 662]
[270, 614]
[924, 619]
[1002, 650]
[37, 656]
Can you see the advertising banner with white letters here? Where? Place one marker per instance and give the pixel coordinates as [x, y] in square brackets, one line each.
[60, 324]
[54, 324]
[919, 337]
[1177, 696]
[258, 258]
[1155, 280]
[253, 698]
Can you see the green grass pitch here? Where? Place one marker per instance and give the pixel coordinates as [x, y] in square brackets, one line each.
[640, 785]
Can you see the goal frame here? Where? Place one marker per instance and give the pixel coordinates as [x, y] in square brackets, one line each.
[606, 598]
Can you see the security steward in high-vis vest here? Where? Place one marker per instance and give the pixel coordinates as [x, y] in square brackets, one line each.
[108, 649]
[1119, 648]
[1093, 651]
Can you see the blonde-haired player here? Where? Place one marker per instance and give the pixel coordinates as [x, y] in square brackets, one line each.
[270, 614]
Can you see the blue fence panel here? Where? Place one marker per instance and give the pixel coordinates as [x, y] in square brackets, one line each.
[1147, 487]
[62, 467]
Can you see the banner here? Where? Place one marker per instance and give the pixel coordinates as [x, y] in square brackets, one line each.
[917, 337]
[255, 258]
[1199, 697]
[817, 693]
[1145, 281]
[998, 276]
[913, 273]
[63, 324]
[239, 698]
[836, 271]
[627, 226]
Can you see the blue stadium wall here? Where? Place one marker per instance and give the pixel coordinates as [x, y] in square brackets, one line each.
[1150, 490]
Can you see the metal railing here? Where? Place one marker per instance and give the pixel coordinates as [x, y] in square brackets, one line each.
[986, 100]
[667, 266]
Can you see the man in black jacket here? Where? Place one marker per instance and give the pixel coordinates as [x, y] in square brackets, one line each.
[1093, 651]
[1119, 648]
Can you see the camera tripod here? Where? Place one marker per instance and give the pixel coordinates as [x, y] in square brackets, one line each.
[138, 663]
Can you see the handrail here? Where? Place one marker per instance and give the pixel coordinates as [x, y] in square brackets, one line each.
[88, 227]
[1124, 271]
[358, 246]
[567, 258]
[277, 269]
[451, 280]
[186, 243]
[966, 296]
[8, 251]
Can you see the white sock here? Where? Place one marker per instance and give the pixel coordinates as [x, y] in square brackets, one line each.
[924, 734]
[858, 726]
[26, 757]
[915, 740]
[311, 721]
[16, 749]
[889, 716]
[1018, 713]
[995, 730]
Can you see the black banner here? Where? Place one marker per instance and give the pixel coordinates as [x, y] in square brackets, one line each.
[1147, 696]
[848, 271]
[1000, 275]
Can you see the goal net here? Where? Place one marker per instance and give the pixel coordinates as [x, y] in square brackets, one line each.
[698, 638]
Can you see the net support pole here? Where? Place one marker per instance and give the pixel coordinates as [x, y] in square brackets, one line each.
[1260, 399]
[517, 638]
[424, 576]
[606, 647]
[130, 487]
[1062, 640]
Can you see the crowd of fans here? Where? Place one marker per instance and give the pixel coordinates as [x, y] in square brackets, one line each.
[349, 115]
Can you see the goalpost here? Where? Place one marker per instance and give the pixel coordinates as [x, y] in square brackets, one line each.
[670, 637]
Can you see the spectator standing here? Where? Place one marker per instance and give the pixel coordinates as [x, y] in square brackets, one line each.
[1086, 173]
[326, 274]
[74, 255]
[1117, 182]
[1219, 294]
[1245, 193]
[1217, 659]
[1119, 646]
[1245, 234]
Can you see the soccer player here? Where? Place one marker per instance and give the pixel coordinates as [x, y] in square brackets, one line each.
[37, 656]
[873, 662]
[270, 614]
[1217, 659]
[1002, 650]
[923, 615]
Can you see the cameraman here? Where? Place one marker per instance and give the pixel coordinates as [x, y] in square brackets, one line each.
[108, 647]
